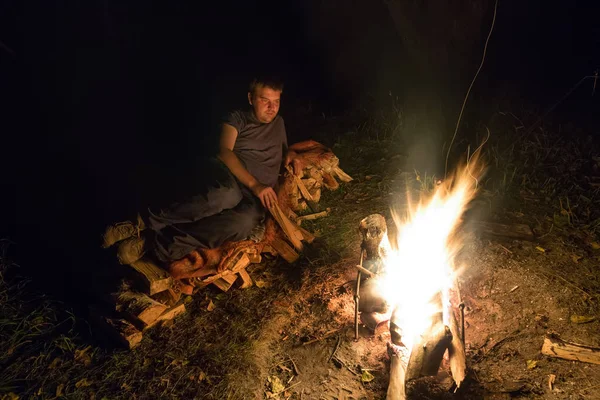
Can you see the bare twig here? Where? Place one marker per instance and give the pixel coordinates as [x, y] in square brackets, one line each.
[335, 349]
[325, 336]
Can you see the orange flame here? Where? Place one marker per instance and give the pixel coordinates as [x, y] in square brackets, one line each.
[422, 265]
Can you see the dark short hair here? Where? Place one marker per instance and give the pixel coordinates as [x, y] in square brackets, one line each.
[272, 82]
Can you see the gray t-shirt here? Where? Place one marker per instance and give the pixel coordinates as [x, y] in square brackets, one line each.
[259, 146]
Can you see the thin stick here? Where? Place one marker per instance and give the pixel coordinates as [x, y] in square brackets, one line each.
[335, 349]
[364, 270]
[357, 296]
[296, 370]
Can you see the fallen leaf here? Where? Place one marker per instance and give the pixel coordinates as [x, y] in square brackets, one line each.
[582, 319]
[83, 383]
[540, 249]
[10, 396]
[531, 364]
[276, 384]
[54, 363]
[83, 356]
[211, 306]
[595, 245]
[202, 376]
[261, 284]
[576, 258]
[366, 376]
[59, 390]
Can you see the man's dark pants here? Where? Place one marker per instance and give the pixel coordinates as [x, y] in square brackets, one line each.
[224, 210]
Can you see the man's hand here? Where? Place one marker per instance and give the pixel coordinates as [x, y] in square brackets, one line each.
[265, 193]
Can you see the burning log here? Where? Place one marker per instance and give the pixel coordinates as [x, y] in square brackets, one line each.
[397, 388]
[426, 356]
[456, 352]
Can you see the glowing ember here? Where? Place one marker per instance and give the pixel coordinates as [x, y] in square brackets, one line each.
[423, 264]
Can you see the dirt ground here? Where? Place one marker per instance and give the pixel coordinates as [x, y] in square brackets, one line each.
[275, 339]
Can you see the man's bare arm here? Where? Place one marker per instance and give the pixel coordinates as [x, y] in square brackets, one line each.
[265, 193]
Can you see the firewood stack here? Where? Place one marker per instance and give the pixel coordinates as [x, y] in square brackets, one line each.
[151, 293]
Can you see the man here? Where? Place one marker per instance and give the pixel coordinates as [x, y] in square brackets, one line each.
[252, 150]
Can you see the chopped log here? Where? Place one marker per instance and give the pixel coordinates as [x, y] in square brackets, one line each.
[306, 235]
[153, 278]
[344, 177]
[514, 231]
[284, 250]
[329, 181]
[288, 227]
[303, 189]
[373, 229]
[170, 297]
[169, 314]
[120, 330]
[225, 281]
[246, 279]
[456, 352]
[556, 347]
[138, 306]
[269, 249]
[426, 356]
[396, 387]
[255, 258]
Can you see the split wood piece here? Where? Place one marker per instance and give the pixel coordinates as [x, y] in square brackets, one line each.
[329, 181]
[303, 190]
[246, 279]
[225, 281]
[288, 227]
[284, 250]
[306, 235]
[373, 229]
[344, 177]
[555, 347]
[255, 258]
[170, 297]
[269, 249]
[313, 216]
[426, 356]
[514, 231]
[118, 329]
[456, 352]
[169, 314]
[153, 278]
[396, 387]
[138, 307]
[240, 264]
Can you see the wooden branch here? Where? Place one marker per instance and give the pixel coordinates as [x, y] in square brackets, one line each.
[364, 271]
[555, 347]
[306, 235]
[153, 278]
[287, 226]
[514, 231]
[138, 306]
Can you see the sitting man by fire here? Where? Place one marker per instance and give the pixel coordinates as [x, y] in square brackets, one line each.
[194, 234]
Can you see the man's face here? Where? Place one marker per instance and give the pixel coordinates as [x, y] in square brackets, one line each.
[265, 102]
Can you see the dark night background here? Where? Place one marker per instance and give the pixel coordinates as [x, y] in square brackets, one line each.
[108, 106]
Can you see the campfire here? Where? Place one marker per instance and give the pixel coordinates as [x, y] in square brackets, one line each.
[412, 282]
